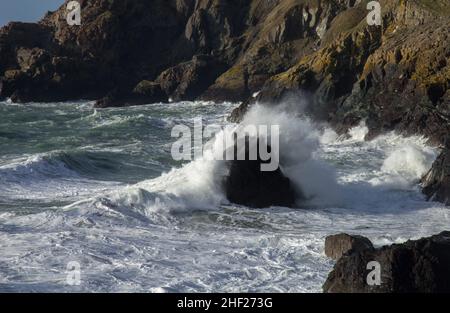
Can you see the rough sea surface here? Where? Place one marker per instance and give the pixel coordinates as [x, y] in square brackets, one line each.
[99, 187]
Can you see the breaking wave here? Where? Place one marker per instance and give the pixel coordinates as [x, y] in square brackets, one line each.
[398, 163]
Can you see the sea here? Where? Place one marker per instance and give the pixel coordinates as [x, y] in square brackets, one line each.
[91, 200]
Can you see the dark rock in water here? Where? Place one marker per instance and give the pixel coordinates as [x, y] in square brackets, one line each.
[148, 92]
[248, 185]
[437, 182]
[238, 113]
[338, 245]
[110, 100]
[420, 266]
[145, 92]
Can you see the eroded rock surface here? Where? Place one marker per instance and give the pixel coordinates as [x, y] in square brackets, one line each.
[437, 182]
[419, 266]
[338, 245]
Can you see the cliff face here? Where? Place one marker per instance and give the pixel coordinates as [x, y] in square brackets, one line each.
[394, 76]
[118, 44]
[436, 184]
[121, 43]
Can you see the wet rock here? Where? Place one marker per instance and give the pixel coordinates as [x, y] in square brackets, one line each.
[419, 266]
[146, 92]
[151, 91]
[238, 113]
[436, 184]
[246, 184]
[338, 245]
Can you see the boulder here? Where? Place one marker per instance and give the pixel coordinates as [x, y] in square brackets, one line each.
[338, 245]
[150, 92]
[146, 92]
[419, 266]
[246, 184]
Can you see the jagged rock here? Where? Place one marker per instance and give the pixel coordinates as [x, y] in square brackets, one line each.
[186, 81]
[149, 92]
[437, 182]
[412, 78]
[238, 113]
[246, 184]
[358, 69]
[118, 44]
[148, 88]
[419, 266]
[395, 77]
[283, 33]
[145, 92]
[121, 43]
[338, 245]
[19, 36]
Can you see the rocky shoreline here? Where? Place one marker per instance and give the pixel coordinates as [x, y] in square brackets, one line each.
[129, 52]
[416, 266]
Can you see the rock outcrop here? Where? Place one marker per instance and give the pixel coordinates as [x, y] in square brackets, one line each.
[358, 69]
[436, 184]
[419, 266]
[208, 49]
[188, 80]
[145, 92]
[247, 184]
[117, 45]
[228, 50]
[338, 245]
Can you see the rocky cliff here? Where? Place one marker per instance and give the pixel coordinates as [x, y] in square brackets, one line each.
[209, 49]
[126, 52]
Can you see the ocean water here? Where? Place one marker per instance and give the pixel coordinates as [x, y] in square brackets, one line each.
[100, 188]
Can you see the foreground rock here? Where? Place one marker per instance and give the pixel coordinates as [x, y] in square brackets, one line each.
[420, 266]
[246, 184]
[338, 245]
